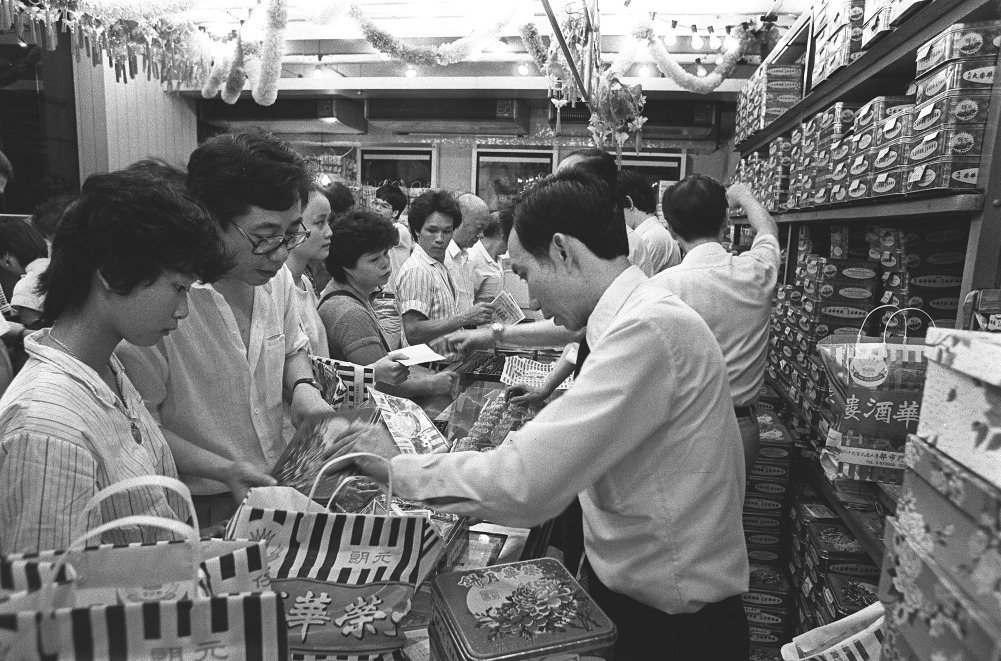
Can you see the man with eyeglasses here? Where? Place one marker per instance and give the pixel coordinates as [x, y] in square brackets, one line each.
[216, 384]
[390, 202]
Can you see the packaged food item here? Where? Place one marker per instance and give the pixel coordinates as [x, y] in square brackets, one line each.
[879, 109]
[858, 189]
[768, 587]
[952, 108]
[901, 10]
[838, 119]
[948, 172]
[833, 548]
[860, 165]
[876, 27]
[889, 182]
[962, 40]
[966, 140]
[894, 127]
[844, 595]
[973, 74]
[890, 156]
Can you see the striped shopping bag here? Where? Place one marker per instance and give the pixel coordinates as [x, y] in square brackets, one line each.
[347, 579]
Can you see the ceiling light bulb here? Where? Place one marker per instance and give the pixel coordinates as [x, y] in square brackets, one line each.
[22, 43]
[714, 41]
[696, 39]
[671, 38]
[317, 72]
[700, 70]
[523, 69]
[411, 72]
[384, 57]
[644, 71]
[730, 43]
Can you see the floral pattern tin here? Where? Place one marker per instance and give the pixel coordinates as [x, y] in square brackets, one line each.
[523, 610]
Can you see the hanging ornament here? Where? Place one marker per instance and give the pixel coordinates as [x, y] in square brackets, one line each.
[272, 50]
[330, 12]
[725, 65]
[559, 103]
[132, 10]
[236, 77]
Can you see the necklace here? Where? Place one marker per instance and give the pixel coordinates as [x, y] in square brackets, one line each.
[133, 423]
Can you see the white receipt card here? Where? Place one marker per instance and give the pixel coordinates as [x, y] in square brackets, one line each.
[506, 310]
[417, 354]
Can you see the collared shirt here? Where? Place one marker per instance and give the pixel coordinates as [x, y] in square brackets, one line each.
[664, 250]
[425, 286]
[488, 276]
[26, 294]
[648, 438]
[457, 263]
[312, 325]
[65, 437]
[734, 296]
[351, 323]
[399, 254]
[639, 253]
[203, 384]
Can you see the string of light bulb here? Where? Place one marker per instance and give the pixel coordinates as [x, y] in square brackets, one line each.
[697, 40]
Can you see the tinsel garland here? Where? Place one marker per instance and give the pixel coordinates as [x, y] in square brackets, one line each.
[696, 84]
[236, 77]
[217, 76]
[266, 91]
[532, 41]
[132, 10]
[330, 12]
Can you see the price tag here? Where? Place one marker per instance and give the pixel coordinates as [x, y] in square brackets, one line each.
[916, 174]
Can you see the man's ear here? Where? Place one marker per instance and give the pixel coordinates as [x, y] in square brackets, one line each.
[629, 203]
[104, 282]
[561, 251]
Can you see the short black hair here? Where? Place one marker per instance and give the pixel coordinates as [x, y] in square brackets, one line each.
[6, 169]
[574, 203]
[355, 233]
[47, 214]
[637, 188]
[392, 194]
[157, 167]
[21, 240]
[506, 218]
[599, 163]
[430, 202]
[340, 198]
[695, 207]
[130, 227]
[231, 172]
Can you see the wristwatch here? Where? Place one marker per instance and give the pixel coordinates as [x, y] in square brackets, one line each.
[497, 329]
[311, 382]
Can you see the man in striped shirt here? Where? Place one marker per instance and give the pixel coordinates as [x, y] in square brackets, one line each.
[425, 291]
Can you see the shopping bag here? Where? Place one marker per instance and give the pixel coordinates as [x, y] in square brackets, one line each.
[876, 386]
[235, 627]
[858, 636]
[21, 580]
[347, 578]
[109, 573]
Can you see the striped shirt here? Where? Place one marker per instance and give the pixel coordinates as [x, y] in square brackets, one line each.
[425, 286]
[459, 267]
[64, 439]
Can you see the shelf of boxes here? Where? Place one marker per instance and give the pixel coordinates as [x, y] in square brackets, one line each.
[901, 207]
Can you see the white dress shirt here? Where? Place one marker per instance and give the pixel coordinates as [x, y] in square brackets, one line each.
[488, 276]
[648, 438]
[63, 440]
[312, 325]
[734, 296]
[457, 263]
[425, 286]
[399, 254]
[664, 250]
[639, 253]
[203, 384]
[26, 294]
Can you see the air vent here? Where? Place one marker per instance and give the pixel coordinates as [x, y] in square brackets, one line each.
[682, 120]
[482, 116]
[287, 115]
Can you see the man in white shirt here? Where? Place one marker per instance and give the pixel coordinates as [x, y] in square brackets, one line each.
[425, 292]
[646, 436]
[732, 294]
[488, 275]
[215, 385]
[636, 196]
[390, 202]
[475, 215]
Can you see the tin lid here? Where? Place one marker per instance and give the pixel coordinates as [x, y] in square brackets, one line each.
[769, 579]
[520, 610]
[850, 594]
[833, 540]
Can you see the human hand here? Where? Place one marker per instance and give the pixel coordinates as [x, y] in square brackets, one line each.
[389, 370]
[443, 382]
[467, 341]
[373, 439]
[242, 476]
[479, 314]
[738, 194]
[522, 393]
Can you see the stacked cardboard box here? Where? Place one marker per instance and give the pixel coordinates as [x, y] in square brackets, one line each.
[941, 580]
[769, 93]
[837, 36]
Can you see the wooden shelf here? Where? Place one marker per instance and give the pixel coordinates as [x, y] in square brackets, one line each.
[895, 207]
[856, 521]
[894, 55]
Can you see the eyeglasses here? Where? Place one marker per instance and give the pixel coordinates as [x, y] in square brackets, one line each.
[381, 205]
[265, 245]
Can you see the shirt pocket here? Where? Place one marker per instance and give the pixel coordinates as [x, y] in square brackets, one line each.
[273, 368]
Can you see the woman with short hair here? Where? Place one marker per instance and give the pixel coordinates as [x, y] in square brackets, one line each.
[123, 258]
[359, 264]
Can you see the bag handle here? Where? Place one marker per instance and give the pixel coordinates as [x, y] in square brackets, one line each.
[45, 596]
[168, 483]
[354, 455]
[886, 331]
[858, 340]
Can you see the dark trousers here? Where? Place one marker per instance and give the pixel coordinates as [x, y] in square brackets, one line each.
[214, 510]
[718, 632]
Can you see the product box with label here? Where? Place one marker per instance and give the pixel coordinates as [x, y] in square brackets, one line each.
[523, 610]
[876, 27]
[928, 610]
[961, 41]
[949, 172]
[961, 409]
[890, 156]
[844, 595]
[956, 515]
[951, 109]
[963, 141]
[889, 182]
[975, 75]
[833, 548]
[895, 127]
[877, 110]
[768, 587]
[837, 120]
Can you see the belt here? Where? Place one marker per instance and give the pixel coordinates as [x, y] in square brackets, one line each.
[744, 411]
